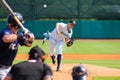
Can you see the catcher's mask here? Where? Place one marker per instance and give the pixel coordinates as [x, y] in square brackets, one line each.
[36, 53]
[11, 20]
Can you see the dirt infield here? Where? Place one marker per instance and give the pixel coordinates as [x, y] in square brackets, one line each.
[80, 56]
[65, 72]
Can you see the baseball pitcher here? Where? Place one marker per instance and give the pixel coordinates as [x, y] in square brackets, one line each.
[61, 34]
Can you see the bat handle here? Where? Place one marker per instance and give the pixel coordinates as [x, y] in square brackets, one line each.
[26, 30]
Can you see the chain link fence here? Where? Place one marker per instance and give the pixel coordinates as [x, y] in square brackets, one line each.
[65, 9]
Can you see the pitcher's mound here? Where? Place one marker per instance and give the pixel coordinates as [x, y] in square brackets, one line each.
[65, 71]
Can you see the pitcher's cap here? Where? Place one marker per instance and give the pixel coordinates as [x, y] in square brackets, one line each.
[73, 22]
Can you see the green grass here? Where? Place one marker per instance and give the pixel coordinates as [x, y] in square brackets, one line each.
[107, 78]
[106, 63]
[82, 46]
[85, 47]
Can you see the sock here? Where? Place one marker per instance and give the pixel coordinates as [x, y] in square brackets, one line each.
[59, 56]
[53, 59]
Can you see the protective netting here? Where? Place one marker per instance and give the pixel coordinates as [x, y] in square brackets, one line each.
[65, 9]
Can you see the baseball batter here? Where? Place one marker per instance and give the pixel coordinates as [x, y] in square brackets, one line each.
[62, 33]
[9, 42]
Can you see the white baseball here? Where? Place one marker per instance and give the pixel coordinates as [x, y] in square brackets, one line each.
[44, 5]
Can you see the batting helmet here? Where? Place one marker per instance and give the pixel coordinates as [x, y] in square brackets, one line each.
[78, 72]
[11, 20]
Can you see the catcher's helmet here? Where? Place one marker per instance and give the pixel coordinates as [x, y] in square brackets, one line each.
[13, 22]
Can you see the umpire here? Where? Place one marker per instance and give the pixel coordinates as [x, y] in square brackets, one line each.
[79, 72]
[33, 69]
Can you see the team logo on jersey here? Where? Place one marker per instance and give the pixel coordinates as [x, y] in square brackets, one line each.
[13, 46]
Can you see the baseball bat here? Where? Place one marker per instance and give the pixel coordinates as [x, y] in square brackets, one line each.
[10, 11]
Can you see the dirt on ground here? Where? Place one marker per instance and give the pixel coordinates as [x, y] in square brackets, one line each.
[65, 71]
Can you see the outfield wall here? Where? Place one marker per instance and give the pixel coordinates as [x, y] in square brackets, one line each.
[84, 29]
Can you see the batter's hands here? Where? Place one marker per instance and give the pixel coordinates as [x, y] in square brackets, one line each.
[26, 39]
[29, 39]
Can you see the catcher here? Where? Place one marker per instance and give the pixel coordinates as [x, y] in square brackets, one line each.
[9, 41]
[79, 72]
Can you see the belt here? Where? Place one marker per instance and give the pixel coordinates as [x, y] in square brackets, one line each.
[4, 67]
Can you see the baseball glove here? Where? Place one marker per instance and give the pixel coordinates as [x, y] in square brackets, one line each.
[26, 39]
[70, 43]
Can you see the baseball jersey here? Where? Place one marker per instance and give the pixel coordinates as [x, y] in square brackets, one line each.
[30, 71]
[7, 50]
[63, 29]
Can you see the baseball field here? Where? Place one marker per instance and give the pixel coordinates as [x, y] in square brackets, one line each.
[100, 57]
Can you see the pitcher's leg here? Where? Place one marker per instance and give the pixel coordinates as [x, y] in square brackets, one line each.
[59, 57]
[59, 53]
[51, 50]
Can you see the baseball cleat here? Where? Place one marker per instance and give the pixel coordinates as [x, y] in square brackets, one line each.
[58, 69]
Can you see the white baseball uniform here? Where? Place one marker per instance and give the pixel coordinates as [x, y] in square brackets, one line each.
[57, 40]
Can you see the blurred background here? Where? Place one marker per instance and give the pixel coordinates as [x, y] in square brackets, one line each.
[96, 19]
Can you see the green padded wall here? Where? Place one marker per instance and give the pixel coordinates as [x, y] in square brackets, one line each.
[85, 29]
